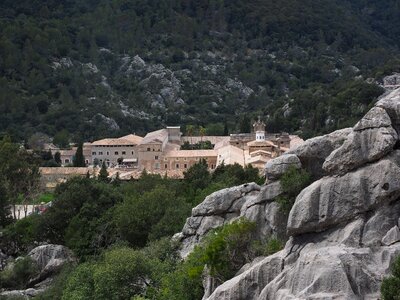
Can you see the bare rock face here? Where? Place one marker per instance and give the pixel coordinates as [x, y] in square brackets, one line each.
[343, 228]
[333, 200]
[251, 201]
[313, 152]
[275, 168]
[392, 236]
[371, 139]
[50, 258]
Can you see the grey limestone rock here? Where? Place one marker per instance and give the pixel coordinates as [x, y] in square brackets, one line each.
[332, 200]
[225, 200]
[392, 236]
[372, 138]
[313, 152]
[250, 283]
[276, 167]
[391, 103]
[50, 258]
[343, 228]
[248, 200]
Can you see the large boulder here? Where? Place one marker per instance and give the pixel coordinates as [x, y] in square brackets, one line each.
[390, 102]
[372, 138]
[313, 152]
[50, 259]
[333, 200]
[276, 167]
[250, 201]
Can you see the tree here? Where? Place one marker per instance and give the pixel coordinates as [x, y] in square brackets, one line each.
[198, 176]
[391, 285]
[103, 174]
[4, 206]
[292, 182]
[57, 157]
[244, 125]
[19, 174]
[189, 132]
[79, 159]
[226, 130]
[61, 139]
[150, 220]
[202, 132]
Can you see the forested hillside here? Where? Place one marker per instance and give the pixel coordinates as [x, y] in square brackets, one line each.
[97, 68]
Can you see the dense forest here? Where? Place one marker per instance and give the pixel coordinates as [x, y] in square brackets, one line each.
[119, 231]
[105, 68]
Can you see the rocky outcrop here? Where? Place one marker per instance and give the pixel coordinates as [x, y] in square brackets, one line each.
[313, 152]
[372, 138]
[251, 201]
[50, 259]
[275, 168]
[391, 82]
[3, 260]
[343, 228]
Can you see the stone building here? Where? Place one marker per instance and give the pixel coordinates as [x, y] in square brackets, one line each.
[113, 151]
[67, 155]
[184, 159]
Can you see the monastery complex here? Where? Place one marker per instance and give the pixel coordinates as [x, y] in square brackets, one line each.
[160, 152]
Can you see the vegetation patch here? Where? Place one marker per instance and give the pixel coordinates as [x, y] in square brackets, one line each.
[292, 183]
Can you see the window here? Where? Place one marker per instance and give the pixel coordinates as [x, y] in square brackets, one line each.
[166, 166]
[93, 153]
[100, 152]
[165, 159]
[108, 153]
[185, 166]
[184, 158]
[177, 166]
[157, 166]
[123, 152]
[67, 161]
[177, 158]
[116, 152]
[156, 157]
[212, 166]
[148, 149]
[133, 153]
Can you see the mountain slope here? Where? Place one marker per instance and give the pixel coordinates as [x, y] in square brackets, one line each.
[98, 68]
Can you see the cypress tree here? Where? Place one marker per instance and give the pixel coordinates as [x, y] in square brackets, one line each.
[103, 175]
[57, 157]
[79, 160]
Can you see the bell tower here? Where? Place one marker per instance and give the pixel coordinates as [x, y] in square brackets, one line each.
[259, 129]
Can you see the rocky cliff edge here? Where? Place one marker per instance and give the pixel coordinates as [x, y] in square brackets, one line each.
[342, 231]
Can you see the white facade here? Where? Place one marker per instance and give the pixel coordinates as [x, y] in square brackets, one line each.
[260, 135]
[111, 153]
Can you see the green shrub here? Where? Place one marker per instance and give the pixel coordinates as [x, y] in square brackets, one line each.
[57, 286]
[266, 248]
[292, 183]
[224, 250]
[121, 273]
[391, 286]
[17, 276]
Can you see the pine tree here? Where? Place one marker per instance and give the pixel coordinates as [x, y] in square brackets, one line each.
[57, 157]
[79, 160]
[226, 130]
[103, 175]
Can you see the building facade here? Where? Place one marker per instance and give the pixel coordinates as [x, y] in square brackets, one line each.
[113, 152]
